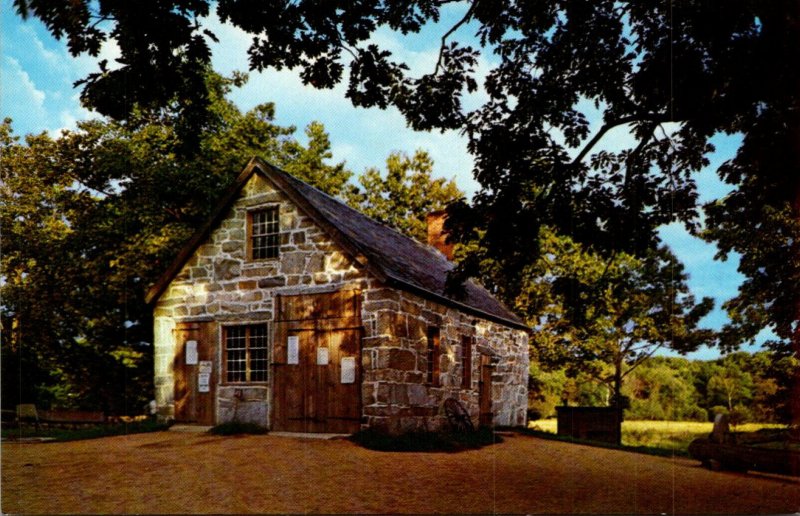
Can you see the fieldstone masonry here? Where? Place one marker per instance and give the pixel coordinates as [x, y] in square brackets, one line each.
[219, 284]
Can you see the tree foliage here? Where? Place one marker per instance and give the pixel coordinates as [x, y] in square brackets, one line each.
[679, 389]
[405, 195]
[90, 220]
[673, 73]
[604, 317]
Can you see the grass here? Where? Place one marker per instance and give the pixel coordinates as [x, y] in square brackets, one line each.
[426, 441]
[666, 436]
[16, 431]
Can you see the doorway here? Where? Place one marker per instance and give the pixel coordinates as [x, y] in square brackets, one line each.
[317, 363]
[194, 373]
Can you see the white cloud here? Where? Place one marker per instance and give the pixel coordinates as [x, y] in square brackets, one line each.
[20, 98]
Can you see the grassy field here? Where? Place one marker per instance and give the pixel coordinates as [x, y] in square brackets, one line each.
[666, 435]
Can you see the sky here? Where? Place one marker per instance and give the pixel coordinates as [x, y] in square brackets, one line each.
[36, 90]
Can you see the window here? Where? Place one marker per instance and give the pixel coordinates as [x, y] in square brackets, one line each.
[466, 362]
[264, 234]
[246, 353]
[433, 356]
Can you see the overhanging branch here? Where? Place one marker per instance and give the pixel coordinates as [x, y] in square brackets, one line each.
[655, 118]
[447, 34]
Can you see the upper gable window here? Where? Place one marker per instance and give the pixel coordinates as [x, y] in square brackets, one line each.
[264, 234]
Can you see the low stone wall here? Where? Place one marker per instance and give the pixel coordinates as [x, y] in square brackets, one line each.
[593, 423]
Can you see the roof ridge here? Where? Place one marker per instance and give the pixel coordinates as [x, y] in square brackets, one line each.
[382, 225]
[384, 251]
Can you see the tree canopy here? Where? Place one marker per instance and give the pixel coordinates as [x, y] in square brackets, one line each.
[673, 73]
[90, 220]
[405, 195]
[605, 317]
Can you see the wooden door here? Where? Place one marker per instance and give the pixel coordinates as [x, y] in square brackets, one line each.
[485, 392]
[194, 403]
[310, 393]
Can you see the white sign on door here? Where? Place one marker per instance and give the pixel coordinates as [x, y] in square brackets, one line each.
[191, 352]
[348, 370]
[204, 366]
[322, 356]
[293, 350]
[203, 382]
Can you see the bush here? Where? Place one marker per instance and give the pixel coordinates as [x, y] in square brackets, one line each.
[740, 414]
[238, 428]
[534, 414]
[697, 414]
[421, 441]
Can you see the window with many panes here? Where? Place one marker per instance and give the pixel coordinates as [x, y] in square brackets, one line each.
[264, 234]
[433, 356]
[246, 353]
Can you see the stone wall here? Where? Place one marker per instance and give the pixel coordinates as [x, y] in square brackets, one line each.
[219, 284]
[395, 394]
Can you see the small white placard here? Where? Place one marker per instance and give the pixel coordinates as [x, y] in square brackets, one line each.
[348, 369]
[322, 356]
[191, 352]
[203, 382]
[293, 350]
[204, 367]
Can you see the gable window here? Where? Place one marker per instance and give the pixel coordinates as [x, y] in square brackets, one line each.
[245, 353]
[433, 356]
[466, 362]
[264, 232]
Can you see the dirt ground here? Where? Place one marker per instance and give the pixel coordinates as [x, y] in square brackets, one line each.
[171, 472]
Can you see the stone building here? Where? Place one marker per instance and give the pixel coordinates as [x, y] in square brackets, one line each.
[291, 310]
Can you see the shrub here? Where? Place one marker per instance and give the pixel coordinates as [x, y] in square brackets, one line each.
[697, 414]
[237, 428]
[740, 414]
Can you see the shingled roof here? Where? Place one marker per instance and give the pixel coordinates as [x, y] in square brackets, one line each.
[389, 255]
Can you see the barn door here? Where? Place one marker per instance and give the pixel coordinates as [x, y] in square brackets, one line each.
[317, 355]
[485, 392]
[194, 371]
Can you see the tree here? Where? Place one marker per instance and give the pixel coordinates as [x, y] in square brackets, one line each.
[660, 389]
[607, 317]
[406, 195]
[731, 386]
[91, 218]
[675, 74]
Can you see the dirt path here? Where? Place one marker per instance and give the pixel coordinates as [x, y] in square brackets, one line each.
[172, 472]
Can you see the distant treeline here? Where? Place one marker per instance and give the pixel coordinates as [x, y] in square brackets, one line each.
[749, 387]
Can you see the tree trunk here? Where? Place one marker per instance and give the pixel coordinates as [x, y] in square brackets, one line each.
[794, 398]
[618, 385]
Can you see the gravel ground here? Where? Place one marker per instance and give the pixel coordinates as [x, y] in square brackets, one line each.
[171, 472]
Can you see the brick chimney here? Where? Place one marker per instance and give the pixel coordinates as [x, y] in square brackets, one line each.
[437, 237]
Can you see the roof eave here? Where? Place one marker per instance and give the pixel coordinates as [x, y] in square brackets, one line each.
[202, 233]
[439, 298]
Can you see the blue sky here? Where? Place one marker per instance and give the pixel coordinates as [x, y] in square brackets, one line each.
[36, 91]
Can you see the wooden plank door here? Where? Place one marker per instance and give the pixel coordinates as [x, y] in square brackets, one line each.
[485, 392]
[194, 404]
[309, 395]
